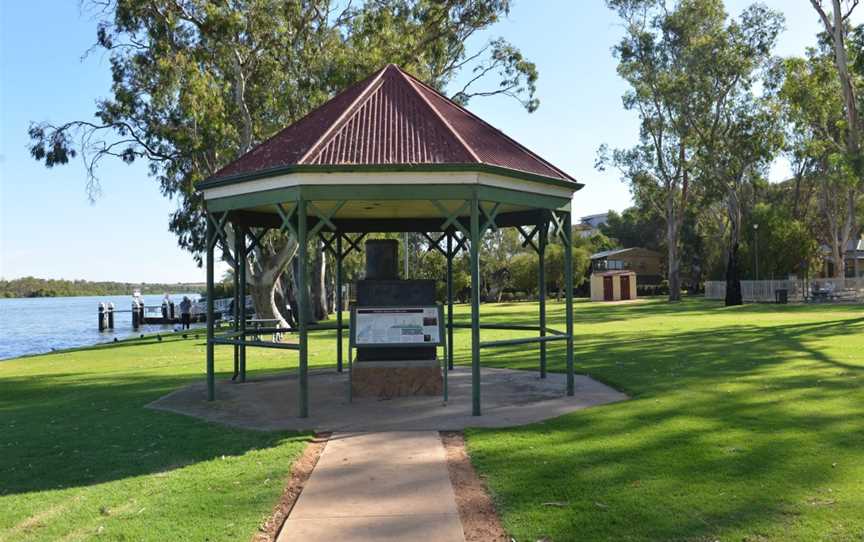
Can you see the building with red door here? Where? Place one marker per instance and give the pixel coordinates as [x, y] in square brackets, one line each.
[619, 285]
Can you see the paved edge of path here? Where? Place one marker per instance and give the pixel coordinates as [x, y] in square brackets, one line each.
[378, 487]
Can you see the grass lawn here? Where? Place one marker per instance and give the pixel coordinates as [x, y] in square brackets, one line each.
[746, 423]
[80, 456]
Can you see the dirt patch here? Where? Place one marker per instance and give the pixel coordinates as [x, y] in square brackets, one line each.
[300, 472]
[480, 521]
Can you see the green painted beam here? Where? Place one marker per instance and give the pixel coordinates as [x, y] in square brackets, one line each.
[258, 344]
[543, 234]
[241, 294]
[518, 197]
[474, 254]
[568, 294]
[449, 255]
[254, 199]
[303, 307]
[211, 375]
[523, 340]
[388, 192]
[339, 257]
[238, 250]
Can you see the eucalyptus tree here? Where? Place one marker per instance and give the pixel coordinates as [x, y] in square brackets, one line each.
[198, 83]
[810, 94]
[836, 25]
[738, 135]
[683, 62]
[821, 95]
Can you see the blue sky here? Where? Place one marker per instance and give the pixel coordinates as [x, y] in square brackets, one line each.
[48, 228]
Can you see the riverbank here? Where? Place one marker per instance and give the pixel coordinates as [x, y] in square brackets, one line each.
[32, 287]
[40, 325]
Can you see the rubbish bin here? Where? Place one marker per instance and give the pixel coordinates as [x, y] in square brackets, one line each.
[781, 296]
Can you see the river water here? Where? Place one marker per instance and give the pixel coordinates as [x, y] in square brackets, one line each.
[43, 324]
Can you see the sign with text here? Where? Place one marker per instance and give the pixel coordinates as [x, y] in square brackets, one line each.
[397, 326]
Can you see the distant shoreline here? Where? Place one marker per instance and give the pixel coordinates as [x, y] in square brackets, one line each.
[31, 287]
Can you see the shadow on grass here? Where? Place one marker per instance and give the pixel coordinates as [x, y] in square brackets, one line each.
[656, 363]
[69, 430]
[733, 430]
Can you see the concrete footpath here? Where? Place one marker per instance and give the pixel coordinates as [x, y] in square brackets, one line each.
[377, 487]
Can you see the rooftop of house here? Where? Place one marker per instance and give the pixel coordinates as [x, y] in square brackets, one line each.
[622, 251]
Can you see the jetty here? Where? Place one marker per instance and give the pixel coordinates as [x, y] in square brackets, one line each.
[165, 314]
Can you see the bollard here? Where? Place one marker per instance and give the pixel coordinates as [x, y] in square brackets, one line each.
[135, 314]
[110, 315]
[101, 316]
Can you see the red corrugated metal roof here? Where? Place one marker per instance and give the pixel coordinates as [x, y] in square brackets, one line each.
[390, 118]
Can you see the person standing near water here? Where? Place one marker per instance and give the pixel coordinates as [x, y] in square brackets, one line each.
[185, 313]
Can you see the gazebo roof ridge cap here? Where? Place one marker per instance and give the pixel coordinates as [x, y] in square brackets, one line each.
[411, 81]
[266, 140]
[372, 85]
[495, 129]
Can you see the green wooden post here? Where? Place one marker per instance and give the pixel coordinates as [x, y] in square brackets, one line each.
[568, 292]
[450, 301]
[238, 247]
[339, 302]
[211, 377]
[475, 306]
[303, 307]
[446, 371]
[241, 294]
[542, 230]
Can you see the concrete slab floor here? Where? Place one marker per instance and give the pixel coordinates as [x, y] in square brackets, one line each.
[508, 398]
[378, 487]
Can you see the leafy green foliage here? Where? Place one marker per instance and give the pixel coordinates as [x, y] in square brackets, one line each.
[34, 287]
[635, 227]
[810, 94]
[786, 246]
[691, 71]
[197, 83]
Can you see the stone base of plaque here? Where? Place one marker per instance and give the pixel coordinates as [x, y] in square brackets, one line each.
[396, 378]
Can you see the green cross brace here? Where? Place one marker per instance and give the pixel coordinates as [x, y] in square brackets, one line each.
[220, 235]
[325, 217]
[286, 219]
[453, 219]
[489, 224]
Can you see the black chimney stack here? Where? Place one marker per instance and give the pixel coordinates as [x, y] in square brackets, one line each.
[382, 261]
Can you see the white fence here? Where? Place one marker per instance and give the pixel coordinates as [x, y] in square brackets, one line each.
[851, 289]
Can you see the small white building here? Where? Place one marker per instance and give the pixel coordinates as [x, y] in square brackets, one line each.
[617, 285]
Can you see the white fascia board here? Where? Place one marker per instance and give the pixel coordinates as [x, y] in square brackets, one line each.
[400, 178]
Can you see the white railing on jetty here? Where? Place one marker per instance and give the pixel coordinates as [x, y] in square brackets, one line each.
[849, 289]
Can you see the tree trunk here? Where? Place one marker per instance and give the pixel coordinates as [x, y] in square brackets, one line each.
[733, 266]
[295, 269]
[673, 264]
[733, 277]
[319, 286]
[842, 63]
[285, 299]
[262, 278]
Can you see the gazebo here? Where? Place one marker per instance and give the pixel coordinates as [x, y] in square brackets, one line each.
[388, 154]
